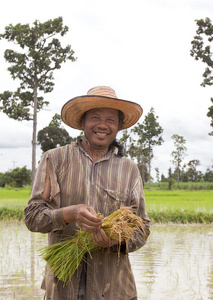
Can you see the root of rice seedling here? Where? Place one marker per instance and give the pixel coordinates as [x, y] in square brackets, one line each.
[65, 257]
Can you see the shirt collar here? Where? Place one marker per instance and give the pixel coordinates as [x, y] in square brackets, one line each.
[112, 151]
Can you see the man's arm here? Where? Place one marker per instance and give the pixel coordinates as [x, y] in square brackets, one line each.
[43, 217]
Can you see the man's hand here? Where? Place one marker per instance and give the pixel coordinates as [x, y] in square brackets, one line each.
[84, 215]
[101, 239]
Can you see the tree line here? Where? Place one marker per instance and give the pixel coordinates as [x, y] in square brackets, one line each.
[138, 143]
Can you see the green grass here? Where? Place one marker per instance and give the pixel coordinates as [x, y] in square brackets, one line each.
[178, 206]
[16, 198]
[13, 202]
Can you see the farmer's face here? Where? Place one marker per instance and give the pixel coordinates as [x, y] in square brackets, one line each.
[100, 127]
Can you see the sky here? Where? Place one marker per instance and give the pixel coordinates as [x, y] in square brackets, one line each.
[141, 49]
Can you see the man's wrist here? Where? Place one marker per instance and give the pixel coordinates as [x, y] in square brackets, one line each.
[68, 214]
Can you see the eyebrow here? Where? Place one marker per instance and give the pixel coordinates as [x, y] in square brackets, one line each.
[97, 114]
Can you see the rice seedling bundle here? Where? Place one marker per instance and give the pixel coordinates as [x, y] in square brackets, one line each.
[64, 257]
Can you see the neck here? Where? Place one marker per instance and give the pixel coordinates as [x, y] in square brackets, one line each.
[94, 152]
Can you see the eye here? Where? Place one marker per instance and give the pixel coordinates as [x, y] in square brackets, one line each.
[111, 120]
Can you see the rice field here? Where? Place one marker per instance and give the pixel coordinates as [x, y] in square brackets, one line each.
[178, 206]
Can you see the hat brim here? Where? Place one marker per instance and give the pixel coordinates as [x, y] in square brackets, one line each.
[73, 110]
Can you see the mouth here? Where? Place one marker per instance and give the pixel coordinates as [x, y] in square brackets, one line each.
[101, 134]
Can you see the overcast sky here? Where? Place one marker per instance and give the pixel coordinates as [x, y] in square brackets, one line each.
[141, 48]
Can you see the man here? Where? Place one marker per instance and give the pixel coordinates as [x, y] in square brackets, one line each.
[75, 182]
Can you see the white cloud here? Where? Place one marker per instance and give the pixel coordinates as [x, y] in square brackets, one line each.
[140, 48]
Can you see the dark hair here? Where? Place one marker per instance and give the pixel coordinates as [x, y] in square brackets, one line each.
[120, 116]
[116, 143]
[120, 147]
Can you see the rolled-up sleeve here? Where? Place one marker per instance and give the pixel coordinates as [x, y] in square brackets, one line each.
[138, 203]
[44, 215]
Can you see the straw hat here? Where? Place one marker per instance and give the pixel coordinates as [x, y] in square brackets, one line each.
[99, 97]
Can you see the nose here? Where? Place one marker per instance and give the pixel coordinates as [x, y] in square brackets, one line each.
[102, 124]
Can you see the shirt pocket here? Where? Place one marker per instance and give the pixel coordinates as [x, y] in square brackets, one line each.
[113, 200]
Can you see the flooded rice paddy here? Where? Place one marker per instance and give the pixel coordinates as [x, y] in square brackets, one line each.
[176, 263]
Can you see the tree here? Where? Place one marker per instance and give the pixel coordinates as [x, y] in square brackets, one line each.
[53, 135]
[201, 50]
[179, 153]
[41, 54]
[56, 121]
[171, 180]
[124, 141]
[208, 176]
[150, 134]
[17, 177]
[210, 114]
[157, 174]
[193, 174]
[137, 152]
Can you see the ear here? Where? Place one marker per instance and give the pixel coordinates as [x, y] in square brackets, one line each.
[82, 124]
[120, 126]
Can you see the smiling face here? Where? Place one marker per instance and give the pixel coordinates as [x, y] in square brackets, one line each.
[100, 127]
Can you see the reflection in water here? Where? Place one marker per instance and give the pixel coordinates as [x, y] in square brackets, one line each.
[21, 268]
[176, 263]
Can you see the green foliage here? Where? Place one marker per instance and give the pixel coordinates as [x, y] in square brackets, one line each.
[53, 135]
[171, 180]
[210, 115]
[40, 54]
[152, 131]
[192, 172]
[56, 121]
[179, 152]
[17, 177]
[202, 50]
[208, 176]
[149, 134]
[124, 141]
[189, 174]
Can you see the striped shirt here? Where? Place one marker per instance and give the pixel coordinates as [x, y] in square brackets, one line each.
[105, 185]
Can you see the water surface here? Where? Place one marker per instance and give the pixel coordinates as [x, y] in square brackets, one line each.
[176, 263]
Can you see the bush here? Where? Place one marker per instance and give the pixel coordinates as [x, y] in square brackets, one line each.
[17, 177]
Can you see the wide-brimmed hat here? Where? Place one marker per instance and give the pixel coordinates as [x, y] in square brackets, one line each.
[99, 97]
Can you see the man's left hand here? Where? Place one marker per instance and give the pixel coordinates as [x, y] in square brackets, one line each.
[101, 239]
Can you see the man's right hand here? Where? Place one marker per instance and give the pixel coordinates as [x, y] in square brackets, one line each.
[84, 215]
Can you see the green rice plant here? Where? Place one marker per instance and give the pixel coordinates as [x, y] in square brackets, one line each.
[14, 199]
[10, 213]
[181, 217]
[64, 257]
[179, 200]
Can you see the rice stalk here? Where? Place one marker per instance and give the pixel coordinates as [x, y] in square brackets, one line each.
[65, 257]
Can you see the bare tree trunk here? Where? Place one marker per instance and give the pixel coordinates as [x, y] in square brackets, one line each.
[149, 171]
[178, 174]
[34, 137]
